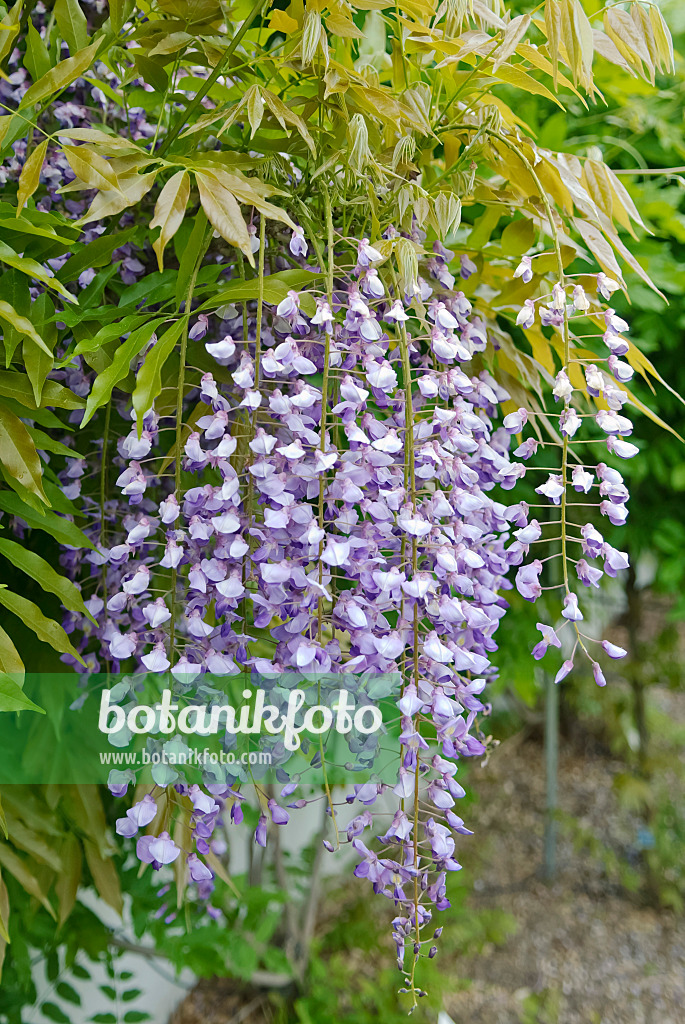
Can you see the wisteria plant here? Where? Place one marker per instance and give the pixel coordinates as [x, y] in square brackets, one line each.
[292, 302]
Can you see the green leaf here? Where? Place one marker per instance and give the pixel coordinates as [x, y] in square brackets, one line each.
[45, 443]
[37, 363]
[41, 571]
[68, 992]
[33, 269]
[152, 72]
[18, 453]
[13, 698]
[62, 75]
[18, 387]
[276, 287]
[101, 392]
[102, 337]
[37, 58]
[190, 255]
[63, 530]
[22, 325]
[149, 381]
[10, 661]
[17, 867]
[72, 24]
[53, 1012]
[97, 253]
[36, 223]
[47, 630]
[14, 288]
[134, 1016]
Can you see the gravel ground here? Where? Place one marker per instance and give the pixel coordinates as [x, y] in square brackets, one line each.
[583, 951]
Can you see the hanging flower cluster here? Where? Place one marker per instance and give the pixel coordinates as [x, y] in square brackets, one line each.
[575, 475]
[338, 490]
[338, 481]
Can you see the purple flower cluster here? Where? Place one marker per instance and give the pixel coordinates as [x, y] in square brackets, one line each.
[599, 479]
[339, 493]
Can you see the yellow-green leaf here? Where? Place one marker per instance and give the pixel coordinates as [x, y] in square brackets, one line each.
[91, 168]
[9, 26]
[28, 881]
[280, 21]
[18, 454]
[662, 39]
[33, 269]
[169, 211]
[149, 377]
[10, 660]
[4, 916]
[513, 75]
[132, 188]
[171, 43]
[67, 883]
[284, 115]
[223, 213]
[255, 108]
[29, 179]
[105, 877]
[62, 75]
[95, 135]
[23, 325]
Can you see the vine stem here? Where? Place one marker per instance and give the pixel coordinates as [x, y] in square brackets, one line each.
[410, 477]
[103, 497]
[330, 273]
[179, 417]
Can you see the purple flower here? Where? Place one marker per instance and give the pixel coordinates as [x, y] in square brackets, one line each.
[563, 671]
[260, 833]
[157, 850]
[549, 639]
[612, 650]
[525, 269]
[571, 611]
[527, 580]
[298, 245]
[199, 328]
[278, 815]
[526, 315]
[624, 449]
[606, 286]
[199, 872]
[552, 489]
[514, 422]
[588, 574]
[598, 674]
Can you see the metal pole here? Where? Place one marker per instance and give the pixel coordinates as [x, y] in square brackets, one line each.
[549, 865]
